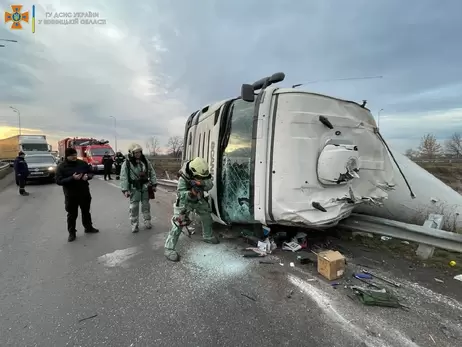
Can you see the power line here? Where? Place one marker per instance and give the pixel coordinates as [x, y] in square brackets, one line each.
[338, 79]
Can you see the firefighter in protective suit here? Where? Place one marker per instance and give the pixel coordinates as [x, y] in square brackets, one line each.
[137, 177]
[119, 159]
[194, 180]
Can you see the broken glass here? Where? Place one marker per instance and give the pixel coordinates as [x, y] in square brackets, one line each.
[236, 165]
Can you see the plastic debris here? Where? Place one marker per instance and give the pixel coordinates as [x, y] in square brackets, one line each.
[458, 278]
[438, 280]
[253, 252]
[86, 318]
[372, 297]
[291, 246]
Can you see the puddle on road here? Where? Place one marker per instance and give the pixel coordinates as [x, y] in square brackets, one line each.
[119, 257]
[327, 304]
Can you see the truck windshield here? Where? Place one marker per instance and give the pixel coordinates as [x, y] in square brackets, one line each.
[98, 152]
[30, 147]
[40, 159]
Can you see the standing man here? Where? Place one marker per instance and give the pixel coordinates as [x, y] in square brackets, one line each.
[73, 175]
[194, 180]
[107, 162]
[21, 171]
[119, 160]
[138, 182]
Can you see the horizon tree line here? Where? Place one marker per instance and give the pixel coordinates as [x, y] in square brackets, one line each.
[431, 148]
[174, 146]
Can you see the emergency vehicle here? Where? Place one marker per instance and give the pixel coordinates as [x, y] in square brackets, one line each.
[88, 149]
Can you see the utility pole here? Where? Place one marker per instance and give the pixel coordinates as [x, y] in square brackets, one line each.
[115, 132]
[19, 118]
[378, 118]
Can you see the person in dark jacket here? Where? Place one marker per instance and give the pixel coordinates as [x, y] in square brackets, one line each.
[21, 171]
[73, 175]
[119, 160]
[107, 162]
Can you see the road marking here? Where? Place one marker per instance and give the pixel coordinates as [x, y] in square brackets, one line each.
[108, 182]
[328, 305]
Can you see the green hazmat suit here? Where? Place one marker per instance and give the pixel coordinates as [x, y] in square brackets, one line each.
[184, 205]
[130, 182]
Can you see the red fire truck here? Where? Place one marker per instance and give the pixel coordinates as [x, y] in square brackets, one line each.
[88, 149]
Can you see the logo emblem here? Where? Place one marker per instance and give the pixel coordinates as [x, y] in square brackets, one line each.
[36, 170]
[16, 17]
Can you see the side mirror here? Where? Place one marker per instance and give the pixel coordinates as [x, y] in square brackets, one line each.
[247, 93]
[277, 77]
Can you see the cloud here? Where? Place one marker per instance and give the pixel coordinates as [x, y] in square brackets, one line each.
[153, 64]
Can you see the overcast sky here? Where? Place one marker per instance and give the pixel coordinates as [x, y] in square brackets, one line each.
[155, 62]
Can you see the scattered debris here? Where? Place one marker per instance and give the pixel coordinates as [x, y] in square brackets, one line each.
[364, 276]
[267, 262]
[291, 246]
[438, 280]
[248, 297]
[292, 264]
[253, 252]
[382, 279]
[331, 264]
[266, 230]
[267, 245]
[458, 278]
[372, 297]
[385, 238]
[304, 259]
[366, 282]
[452, 263]
[289, 295]
[84, 319]
[432, 339]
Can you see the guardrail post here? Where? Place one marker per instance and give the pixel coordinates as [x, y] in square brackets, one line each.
[434, 221]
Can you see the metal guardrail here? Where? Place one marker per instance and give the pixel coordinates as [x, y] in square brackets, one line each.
[4, 166]
[167, 183]
[410, 232]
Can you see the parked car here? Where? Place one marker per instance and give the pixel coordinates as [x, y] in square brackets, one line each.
[42, 167]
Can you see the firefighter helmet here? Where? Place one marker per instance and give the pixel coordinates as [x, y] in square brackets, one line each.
[199, 167]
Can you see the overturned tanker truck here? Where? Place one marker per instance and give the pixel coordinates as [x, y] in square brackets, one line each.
[288, 156]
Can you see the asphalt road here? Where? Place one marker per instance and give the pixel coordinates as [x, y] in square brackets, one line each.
[116, 289]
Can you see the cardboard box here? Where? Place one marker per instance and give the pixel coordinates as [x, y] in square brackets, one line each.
[331, 264]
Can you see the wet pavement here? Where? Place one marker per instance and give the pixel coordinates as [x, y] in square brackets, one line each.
[115, 288]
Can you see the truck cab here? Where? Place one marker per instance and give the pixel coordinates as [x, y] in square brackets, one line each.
[93, 155]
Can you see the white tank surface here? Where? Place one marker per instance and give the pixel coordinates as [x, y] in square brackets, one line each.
[431, 196]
